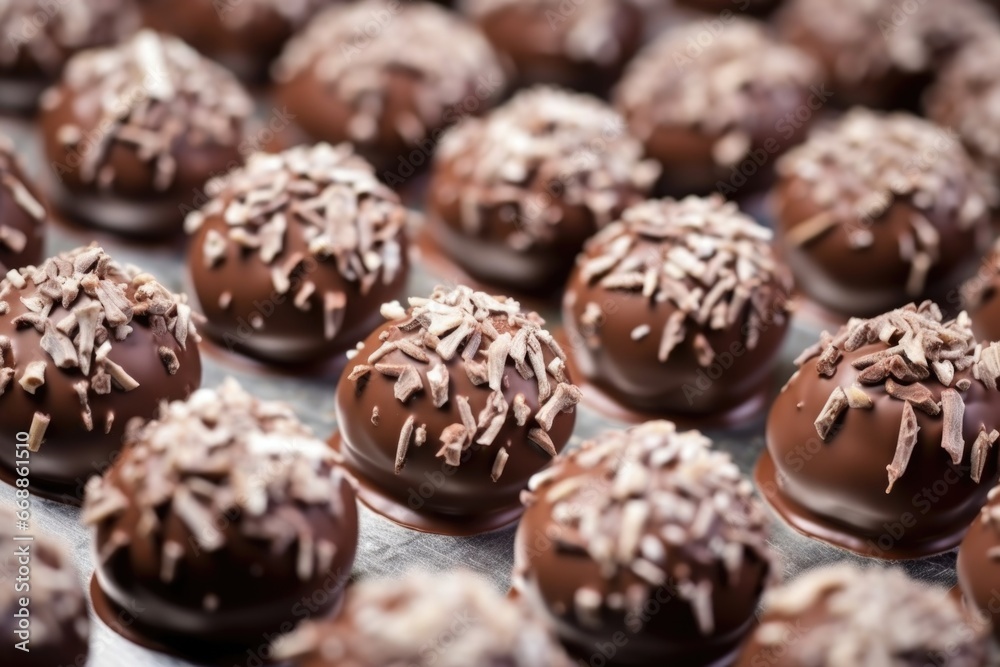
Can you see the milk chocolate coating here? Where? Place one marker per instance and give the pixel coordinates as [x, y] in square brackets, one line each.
[247, 308]
[135, 162]
[603, 322]
[705, 606]
[71, 452]
[980, 296]
[245, 36]
[839, 483]
[426, 482]
[251, 531]
[23, 214]
[584, 49]
[979, 568]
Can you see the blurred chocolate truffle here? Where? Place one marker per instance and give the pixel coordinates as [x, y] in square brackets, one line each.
[966, 98]
[680, 307]
[883, 53]
[134, 131]
[584, 47]
[720, 7]
[882, 441]
[295, 253]
[221, 517]
[44, 614]
[453, 619]
[243, 35]
[716, 116]
[878, 210]
[980, 296]
[39, 37]
[86, 345]
[978, 563]
[23, 213]
[845, 615]
[388, 85]
[446, 410]
[646, 540]
[513, 196]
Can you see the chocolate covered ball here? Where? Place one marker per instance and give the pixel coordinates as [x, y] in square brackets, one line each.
[225, 521]
[447, 409]
[453, 619]
[680, 307]
[513, 196]
[295, 253]
[980, 296]
[387, 81]
[883, 53]
[23, 213]
[584, 47]
[243, 35]
[132, 133]
[49, 599]
[86, 346]
[647, 541]
[878, 210]
[716, 116]
[882, 441]
[845, 615]
[978, 565]
[39, 37]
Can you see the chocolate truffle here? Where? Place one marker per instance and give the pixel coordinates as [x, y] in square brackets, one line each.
[39, 37]
[878, 210]
[447, 409]
[513, 196]
[134, 131]
[966, 98]
[243, 35]
[389, 85]
[23, 213]
[295, 253]
[453, 619]
[221, 517]
[649, 542]
[584, 47]
[680, 307]
[57, 627]
[882, 53]
[882, 441]
[716, 116]
[979, 563]
[980, 296]
[85, 346]
[844, 615]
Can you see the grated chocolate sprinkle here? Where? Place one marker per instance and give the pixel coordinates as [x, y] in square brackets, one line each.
[713, 265]
[154, 96]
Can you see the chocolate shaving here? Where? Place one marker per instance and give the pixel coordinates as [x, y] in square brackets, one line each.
[409, 383]
[905, 443]
[858, 398]
[33, 376]
[36, 432]
[438, 381]
[542, 439]
[918, 395]
[405, 433]
[565, 398]
[953, 414]
[498, 464]
[835, 405]
[980, 452]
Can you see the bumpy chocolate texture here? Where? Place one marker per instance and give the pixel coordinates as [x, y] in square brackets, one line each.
[842, 615]
[220, 517]
[514, 196]
[879, 210]
[876, 52]
[672, 296]
[584, 49]
[59, 625]
[245, 35]
[385, 99]
[979, 563]
[704, 115]
[134, 131]
[639, 520]
[397, 622]
[462, 388]
[296, 252]
[39, 37]
[86, 346]
[890, 421]
[23, 213]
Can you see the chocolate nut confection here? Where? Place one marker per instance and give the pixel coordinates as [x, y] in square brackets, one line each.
[447, 409]
[979, 564]
[23, 213]
[86, 346]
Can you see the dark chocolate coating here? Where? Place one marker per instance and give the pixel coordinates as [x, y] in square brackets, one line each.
[979, 572]
[841, 483]
[462, 493]
[71, 454]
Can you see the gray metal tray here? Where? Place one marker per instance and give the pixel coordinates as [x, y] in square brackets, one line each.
[385, 548]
